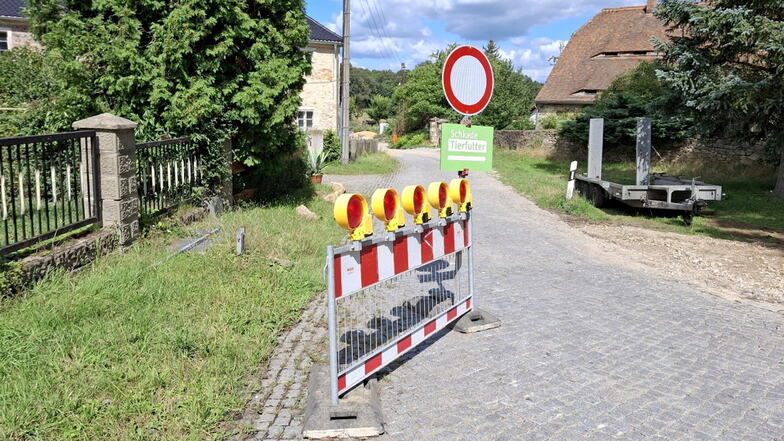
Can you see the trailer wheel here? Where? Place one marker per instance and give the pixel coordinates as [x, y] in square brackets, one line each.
[597, 196]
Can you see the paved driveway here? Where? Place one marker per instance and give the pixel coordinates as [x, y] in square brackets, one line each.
[587, 350]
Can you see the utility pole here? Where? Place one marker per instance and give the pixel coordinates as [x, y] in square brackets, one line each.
[344, 119]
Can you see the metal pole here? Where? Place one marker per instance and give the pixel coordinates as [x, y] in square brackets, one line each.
[333, 324]
[470, 224]
[344, 120]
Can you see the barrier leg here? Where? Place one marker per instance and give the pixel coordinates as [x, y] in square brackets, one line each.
[332, 319]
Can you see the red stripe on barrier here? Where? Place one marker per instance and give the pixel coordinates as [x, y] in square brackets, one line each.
[404, 344]
[341, 382]
[430, 328]
[465, 234]
[338, 283]
[368, 265]
[449, 238]
[372, 364]
[468, 304]
[451, 314]
[401, 254]
[427, 246]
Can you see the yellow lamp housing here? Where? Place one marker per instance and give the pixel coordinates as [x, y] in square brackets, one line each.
[388, 209]
[415, 203]
[351, 213]
[460, 192]
[438, 196]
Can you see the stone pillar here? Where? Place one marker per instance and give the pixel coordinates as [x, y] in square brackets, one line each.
[595, 148]
[644, 151]
[118, 197]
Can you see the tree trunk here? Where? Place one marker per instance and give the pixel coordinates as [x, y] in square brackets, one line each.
[779, 190]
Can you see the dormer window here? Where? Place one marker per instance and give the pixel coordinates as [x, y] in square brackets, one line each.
[586, 92]
[620, 54]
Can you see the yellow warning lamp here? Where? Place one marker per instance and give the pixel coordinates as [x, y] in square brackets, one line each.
[438, 196]
[415, 203]
[460, 192]
[351, 213]
[388, 209]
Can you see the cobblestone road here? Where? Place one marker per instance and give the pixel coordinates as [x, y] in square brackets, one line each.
[587, 350]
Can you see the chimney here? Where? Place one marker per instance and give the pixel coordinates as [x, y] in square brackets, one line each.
[649, 7]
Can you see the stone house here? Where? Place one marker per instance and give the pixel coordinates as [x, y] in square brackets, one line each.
[607, 46]
[14, 27]
[320, 96]
[320, 106]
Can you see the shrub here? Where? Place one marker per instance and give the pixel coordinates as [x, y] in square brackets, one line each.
[550, 123]
[412, 140]
[331, 145]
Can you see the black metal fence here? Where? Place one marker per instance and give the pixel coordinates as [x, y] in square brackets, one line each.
[47, 187]
[167, 172]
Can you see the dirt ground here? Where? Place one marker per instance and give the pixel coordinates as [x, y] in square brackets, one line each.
[731, 269]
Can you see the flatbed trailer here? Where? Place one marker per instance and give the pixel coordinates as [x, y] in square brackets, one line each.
[653, 191]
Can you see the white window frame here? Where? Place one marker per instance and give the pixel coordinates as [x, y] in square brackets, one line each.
[302, 123]
[8, 33]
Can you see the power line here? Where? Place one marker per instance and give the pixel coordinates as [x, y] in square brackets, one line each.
[384, 21]
[388, 53]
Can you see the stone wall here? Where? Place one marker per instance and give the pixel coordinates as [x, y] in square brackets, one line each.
[710, 150]
[320, 93]
[718, 150]
[69, 256]
[547, 140]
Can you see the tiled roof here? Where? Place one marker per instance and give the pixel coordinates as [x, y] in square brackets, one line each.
[610, 44]
[319, 32]
[12, 8]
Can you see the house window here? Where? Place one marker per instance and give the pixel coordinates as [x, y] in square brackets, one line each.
[3, 40]
[305, 119]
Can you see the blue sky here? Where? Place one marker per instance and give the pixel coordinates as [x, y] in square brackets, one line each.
[388, 32]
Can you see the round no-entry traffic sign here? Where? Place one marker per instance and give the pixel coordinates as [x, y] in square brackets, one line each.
[468, 80]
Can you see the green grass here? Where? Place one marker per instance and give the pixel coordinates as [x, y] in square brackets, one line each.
[128, 351]
[370, 164]
[747, 206]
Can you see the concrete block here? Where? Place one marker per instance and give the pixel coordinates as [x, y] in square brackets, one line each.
[114, 187]
[129, 232]
[357, 415]
[117, 212]
[476, 321]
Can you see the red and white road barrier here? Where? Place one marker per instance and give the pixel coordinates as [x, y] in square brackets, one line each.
[390, 292]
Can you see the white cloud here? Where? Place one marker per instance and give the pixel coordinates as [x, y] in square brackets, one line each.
[394, 31]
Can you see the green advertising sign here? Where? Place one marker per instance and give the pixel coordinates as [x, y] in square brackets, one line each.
[466, 147]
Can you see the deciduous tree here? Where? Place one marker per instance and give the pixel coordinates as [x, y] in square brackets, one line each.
[205, 68]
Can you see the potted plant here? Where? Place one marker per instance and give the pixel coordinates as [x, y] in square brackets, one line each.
[316, 164]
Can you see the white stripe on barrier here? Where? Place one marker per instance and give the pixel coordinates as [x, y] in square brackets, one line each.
[459, 235]
[350, 274]
[386, 260]
[437, 241]
[414, 251]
